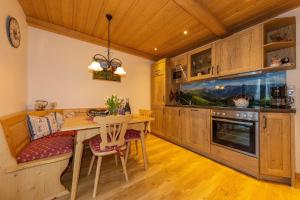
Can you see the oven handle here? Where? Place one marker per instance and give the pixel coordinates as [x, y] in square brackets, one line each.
[232, 121]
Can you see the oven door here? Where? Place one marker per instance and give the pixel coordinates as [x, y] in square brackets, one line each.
[238, 135]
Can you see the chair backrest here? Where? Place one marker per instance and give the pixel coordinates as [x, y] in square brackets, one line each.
[144, 112]
[112, 130]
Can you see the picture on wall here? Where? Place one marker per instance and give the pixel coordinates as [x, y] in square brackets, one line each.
[106, 75]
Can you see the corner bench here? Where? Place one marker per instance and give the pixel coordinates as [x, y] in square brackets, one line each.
[32, 172]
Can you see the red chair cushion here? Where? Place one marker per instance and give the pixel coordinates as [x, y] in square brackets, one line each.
[45, 147]
[95, 145]
[132, 134]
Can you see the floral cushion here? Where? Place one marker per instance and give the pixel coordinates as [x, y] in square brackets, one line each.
[65, 133]
[42, 126]
[52, 145]
[95, 145]
[132, 134]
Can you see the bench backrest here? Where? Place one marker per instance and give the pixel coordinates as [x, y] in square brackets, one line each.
[16, 129]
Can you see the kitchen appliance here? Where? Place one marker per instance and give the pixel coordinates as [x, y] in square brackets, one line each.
[236, 130]
[179, 73]
[279, 97]
[291, 94]
[241, 101]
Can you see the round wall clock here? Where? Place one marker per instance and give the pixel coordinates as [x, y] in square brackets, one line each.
[13, 31]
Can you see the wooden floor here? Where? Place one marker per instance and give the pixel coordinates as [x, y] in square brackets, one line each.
[174, 173]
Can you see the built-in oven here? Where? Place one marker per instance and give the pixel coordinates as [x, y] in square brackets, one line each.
[236, 130]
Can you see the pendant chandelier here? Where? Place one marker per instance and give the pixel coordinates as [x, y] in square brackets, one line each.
[100, 62]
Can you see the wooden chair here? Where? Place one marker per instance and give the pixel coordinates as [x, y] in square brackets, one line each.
[134, 134]
[110, 141]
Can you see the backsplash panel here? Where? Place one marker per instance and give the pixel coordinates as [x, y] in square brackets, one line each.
[222, 92]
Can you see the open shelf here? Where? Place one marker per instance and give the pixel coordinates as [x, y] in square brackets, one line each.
[280, 68]
[285, 30]
[273, 46]
[278, 23]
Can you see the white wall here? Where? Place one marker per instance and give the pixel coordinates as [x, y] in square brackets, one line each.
[57, 71]
[13, 61]
[13, 79]
[293, 78]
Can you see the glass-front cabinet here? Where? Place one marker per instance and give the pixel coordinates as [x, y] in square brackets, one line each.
[200, 63]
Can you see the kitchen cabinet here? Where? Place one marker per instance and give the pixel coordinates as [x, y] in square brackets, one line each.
[158, 82]
[275, 144]
[200, 63]
[196, 129]
[157, 126]
[239, 53]
[172, 124]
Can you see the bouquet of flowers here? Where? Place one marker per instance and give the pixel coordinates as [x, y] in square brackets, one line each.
[114, 103]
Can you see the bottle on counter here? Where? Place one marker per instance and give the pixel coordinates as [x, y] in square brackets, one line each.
[127, 107]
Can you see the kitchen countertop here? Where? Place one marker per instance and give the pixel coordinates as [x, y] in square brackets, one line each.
[254, 109]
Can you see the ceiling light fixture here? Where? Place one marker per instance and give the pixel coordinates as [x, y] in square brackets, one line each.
[185, 32]
[100, 62]
[155, 49]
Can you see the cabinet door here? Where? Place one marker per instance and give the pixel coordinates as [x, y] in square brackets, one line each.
[239, 53]
[157, 126]
[200, 63]
[172, 124]
[158, 83]
[275, 144]
[197, 129]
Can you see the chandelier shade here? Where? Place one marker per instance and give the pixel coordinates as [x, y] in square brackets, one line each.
[102, 63]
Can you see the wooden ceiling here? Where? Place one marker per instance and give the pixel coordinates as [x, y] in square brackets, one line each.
[139, 26]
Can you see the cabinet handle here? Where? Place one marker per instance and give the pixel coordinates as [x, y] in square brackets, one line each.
[218, 69]
[212, 70]
[179, 112]
[194, 110]
[264, 122]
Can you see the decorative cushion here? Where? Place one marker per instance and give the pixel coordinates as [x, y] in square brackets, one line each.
[95, 145]
[59, 118]
[42, 126]
[52, 145]
[132, 134]
[65, 133]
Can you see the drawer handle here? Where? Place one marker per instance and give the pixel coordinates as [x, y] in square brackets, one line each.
[264, 122]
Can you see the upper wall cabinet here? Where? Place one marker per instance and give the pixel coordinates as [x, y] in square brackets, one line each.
[239, 53]
[200, 63]
[280, 43]
[158, 82]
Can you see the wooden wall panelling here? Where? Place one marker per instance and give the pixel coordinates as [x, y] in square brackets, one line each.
[140, 26]
[203, 15]
[84, 37]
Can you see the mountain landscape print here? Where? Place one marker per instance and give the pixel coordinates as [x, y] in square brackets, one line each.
[222, 92]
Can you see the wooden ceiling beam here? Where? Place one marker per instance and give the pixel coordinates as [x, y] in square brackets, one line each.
[37, 23]
[196, 9]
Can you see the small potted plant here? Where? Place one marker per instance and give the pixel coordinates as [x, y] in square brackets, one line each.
[114, 103]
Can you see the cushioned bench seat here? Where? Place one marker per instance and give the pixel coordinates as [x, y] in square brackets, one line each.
[53, 145]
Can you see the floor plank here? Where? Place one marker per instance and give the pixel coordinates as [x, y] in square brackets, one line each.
[173, 173]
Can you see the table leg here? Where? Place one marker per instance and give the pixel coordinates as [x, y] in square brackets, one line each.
[76, 168]
[144, 146]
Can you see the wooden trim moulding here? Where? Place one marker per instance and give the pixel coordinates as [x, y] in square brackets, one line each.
[84, 37]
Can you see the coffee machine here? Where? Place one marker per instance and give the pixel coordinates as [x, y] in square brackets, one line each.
[279, 97]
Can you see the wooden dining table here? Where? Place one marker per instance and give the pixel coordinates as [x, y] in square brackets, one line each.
[86, 129]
